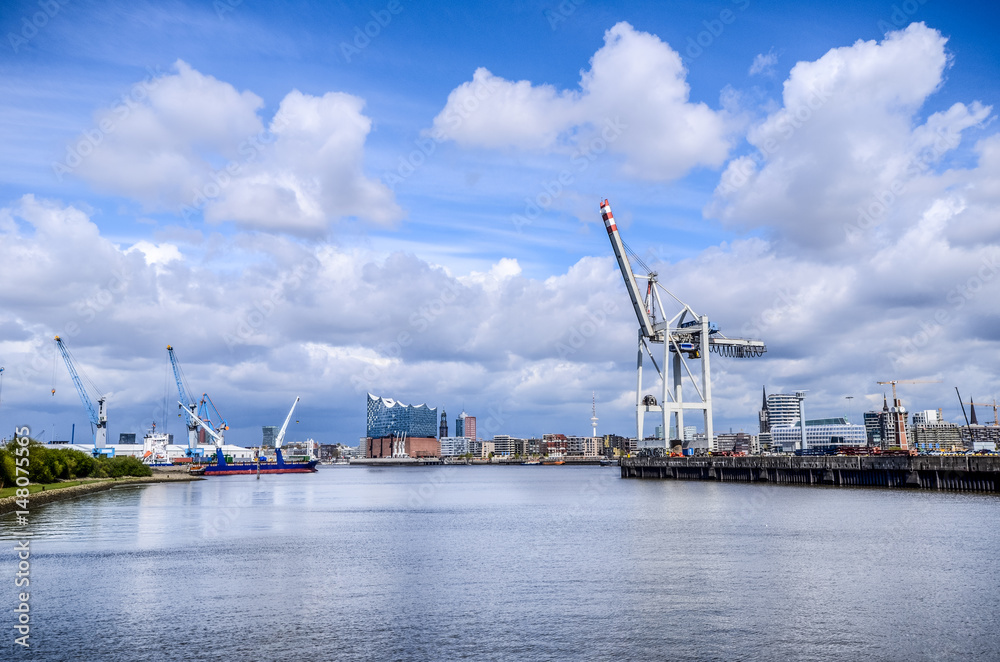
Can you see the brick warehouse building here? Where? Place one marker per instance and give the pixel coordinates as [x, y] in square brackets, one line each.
[412, 447]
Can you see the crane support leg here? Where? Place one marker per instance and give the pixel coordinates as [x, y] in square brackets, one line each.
[706, 381]
[639, 413]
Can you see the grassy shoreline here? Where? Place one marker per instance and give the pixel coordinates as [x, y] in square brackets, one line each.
[47, 493]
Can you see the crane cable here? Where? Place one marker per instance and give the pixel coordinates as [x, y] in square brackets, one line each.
[737, 351]
[635, 256]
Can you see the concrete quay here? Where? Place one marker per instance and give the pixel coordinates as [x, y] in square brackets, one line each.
[969, 473]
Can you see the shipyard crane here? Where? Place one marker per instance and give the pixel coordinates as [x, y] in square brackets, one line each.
[98, 415]
[898, 412]
[280, 438]
[205, 409]
[216, 436]
[684, 335]
[189, 408]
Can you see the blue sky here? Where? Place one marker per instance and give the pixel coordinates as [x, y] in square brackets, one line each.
[321, 235]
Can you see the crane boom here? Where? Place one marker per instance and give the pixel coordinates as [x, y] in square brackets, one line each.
[190, 407]
[645, 323]
[98, 415]
[996, 419]
[281, 433]
[208, 428]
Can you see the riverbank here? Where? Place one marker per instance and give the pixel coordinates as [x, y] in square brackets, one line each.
[53, 492]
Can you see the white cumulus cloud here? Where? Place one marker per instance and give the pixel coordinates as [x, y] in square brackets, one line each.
[846, 152]
[196, 145]
[635, 98]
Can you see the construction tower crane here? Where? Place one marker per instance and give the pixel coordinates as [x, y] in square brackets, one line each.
[98, 415]
[996, 420]
[684, 335]
[898, 412]
[189, 408]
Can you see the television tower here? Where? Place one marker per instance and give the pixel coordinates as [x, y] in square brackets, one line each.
[593, 410]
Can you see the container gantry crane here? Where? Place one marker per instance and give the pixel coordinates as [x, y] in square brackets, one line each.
[684, 335]
[189, 408]
[99, 414]
[898, 412]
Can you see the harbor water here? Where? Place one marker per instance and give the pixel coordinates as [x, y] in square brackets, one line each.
[507, 563]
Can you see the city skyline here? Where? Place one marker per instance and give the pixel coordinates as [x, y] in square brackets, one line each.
[323, 202]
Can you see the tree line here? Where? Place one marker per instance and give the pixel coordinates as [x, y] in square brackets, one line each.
[49, 465]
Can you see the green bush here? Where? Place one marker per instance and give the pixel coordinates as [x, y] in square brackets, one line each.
[47, 465]
[116, 467]
[7, 468]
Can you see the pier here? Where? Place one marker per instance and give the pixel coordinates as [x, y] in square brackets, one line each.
[969, 473]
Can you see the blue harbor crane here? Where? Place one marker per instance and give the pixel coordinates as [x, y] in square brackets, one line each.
[189, 408]
[205, 409]
[99, 414]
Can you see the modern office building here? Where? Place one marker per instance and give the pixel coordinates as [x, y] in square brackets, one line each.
[454, 446]
[926, 417]
[470, 427]
[269, 432]
[821, 434]
[460, 425]
[874, 428]
[480, 448]
[503, 445]
[782, 409]
[734, 442]
[387, 417]
[506, 445]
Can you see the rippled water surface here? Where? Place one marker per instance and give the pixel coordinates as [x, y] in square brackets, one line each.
[518, 563]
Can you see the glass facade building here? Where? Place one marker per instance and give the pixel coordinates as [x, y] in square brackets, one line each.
[820, 433]
[387, 417]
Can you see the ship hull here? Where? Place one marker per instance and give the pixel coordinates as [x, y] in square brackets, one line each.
[238, 469]
[223, 468]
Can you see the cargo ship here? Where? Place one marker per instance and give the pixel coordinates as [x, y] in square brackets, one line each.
[278, 466]
[223, 467]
